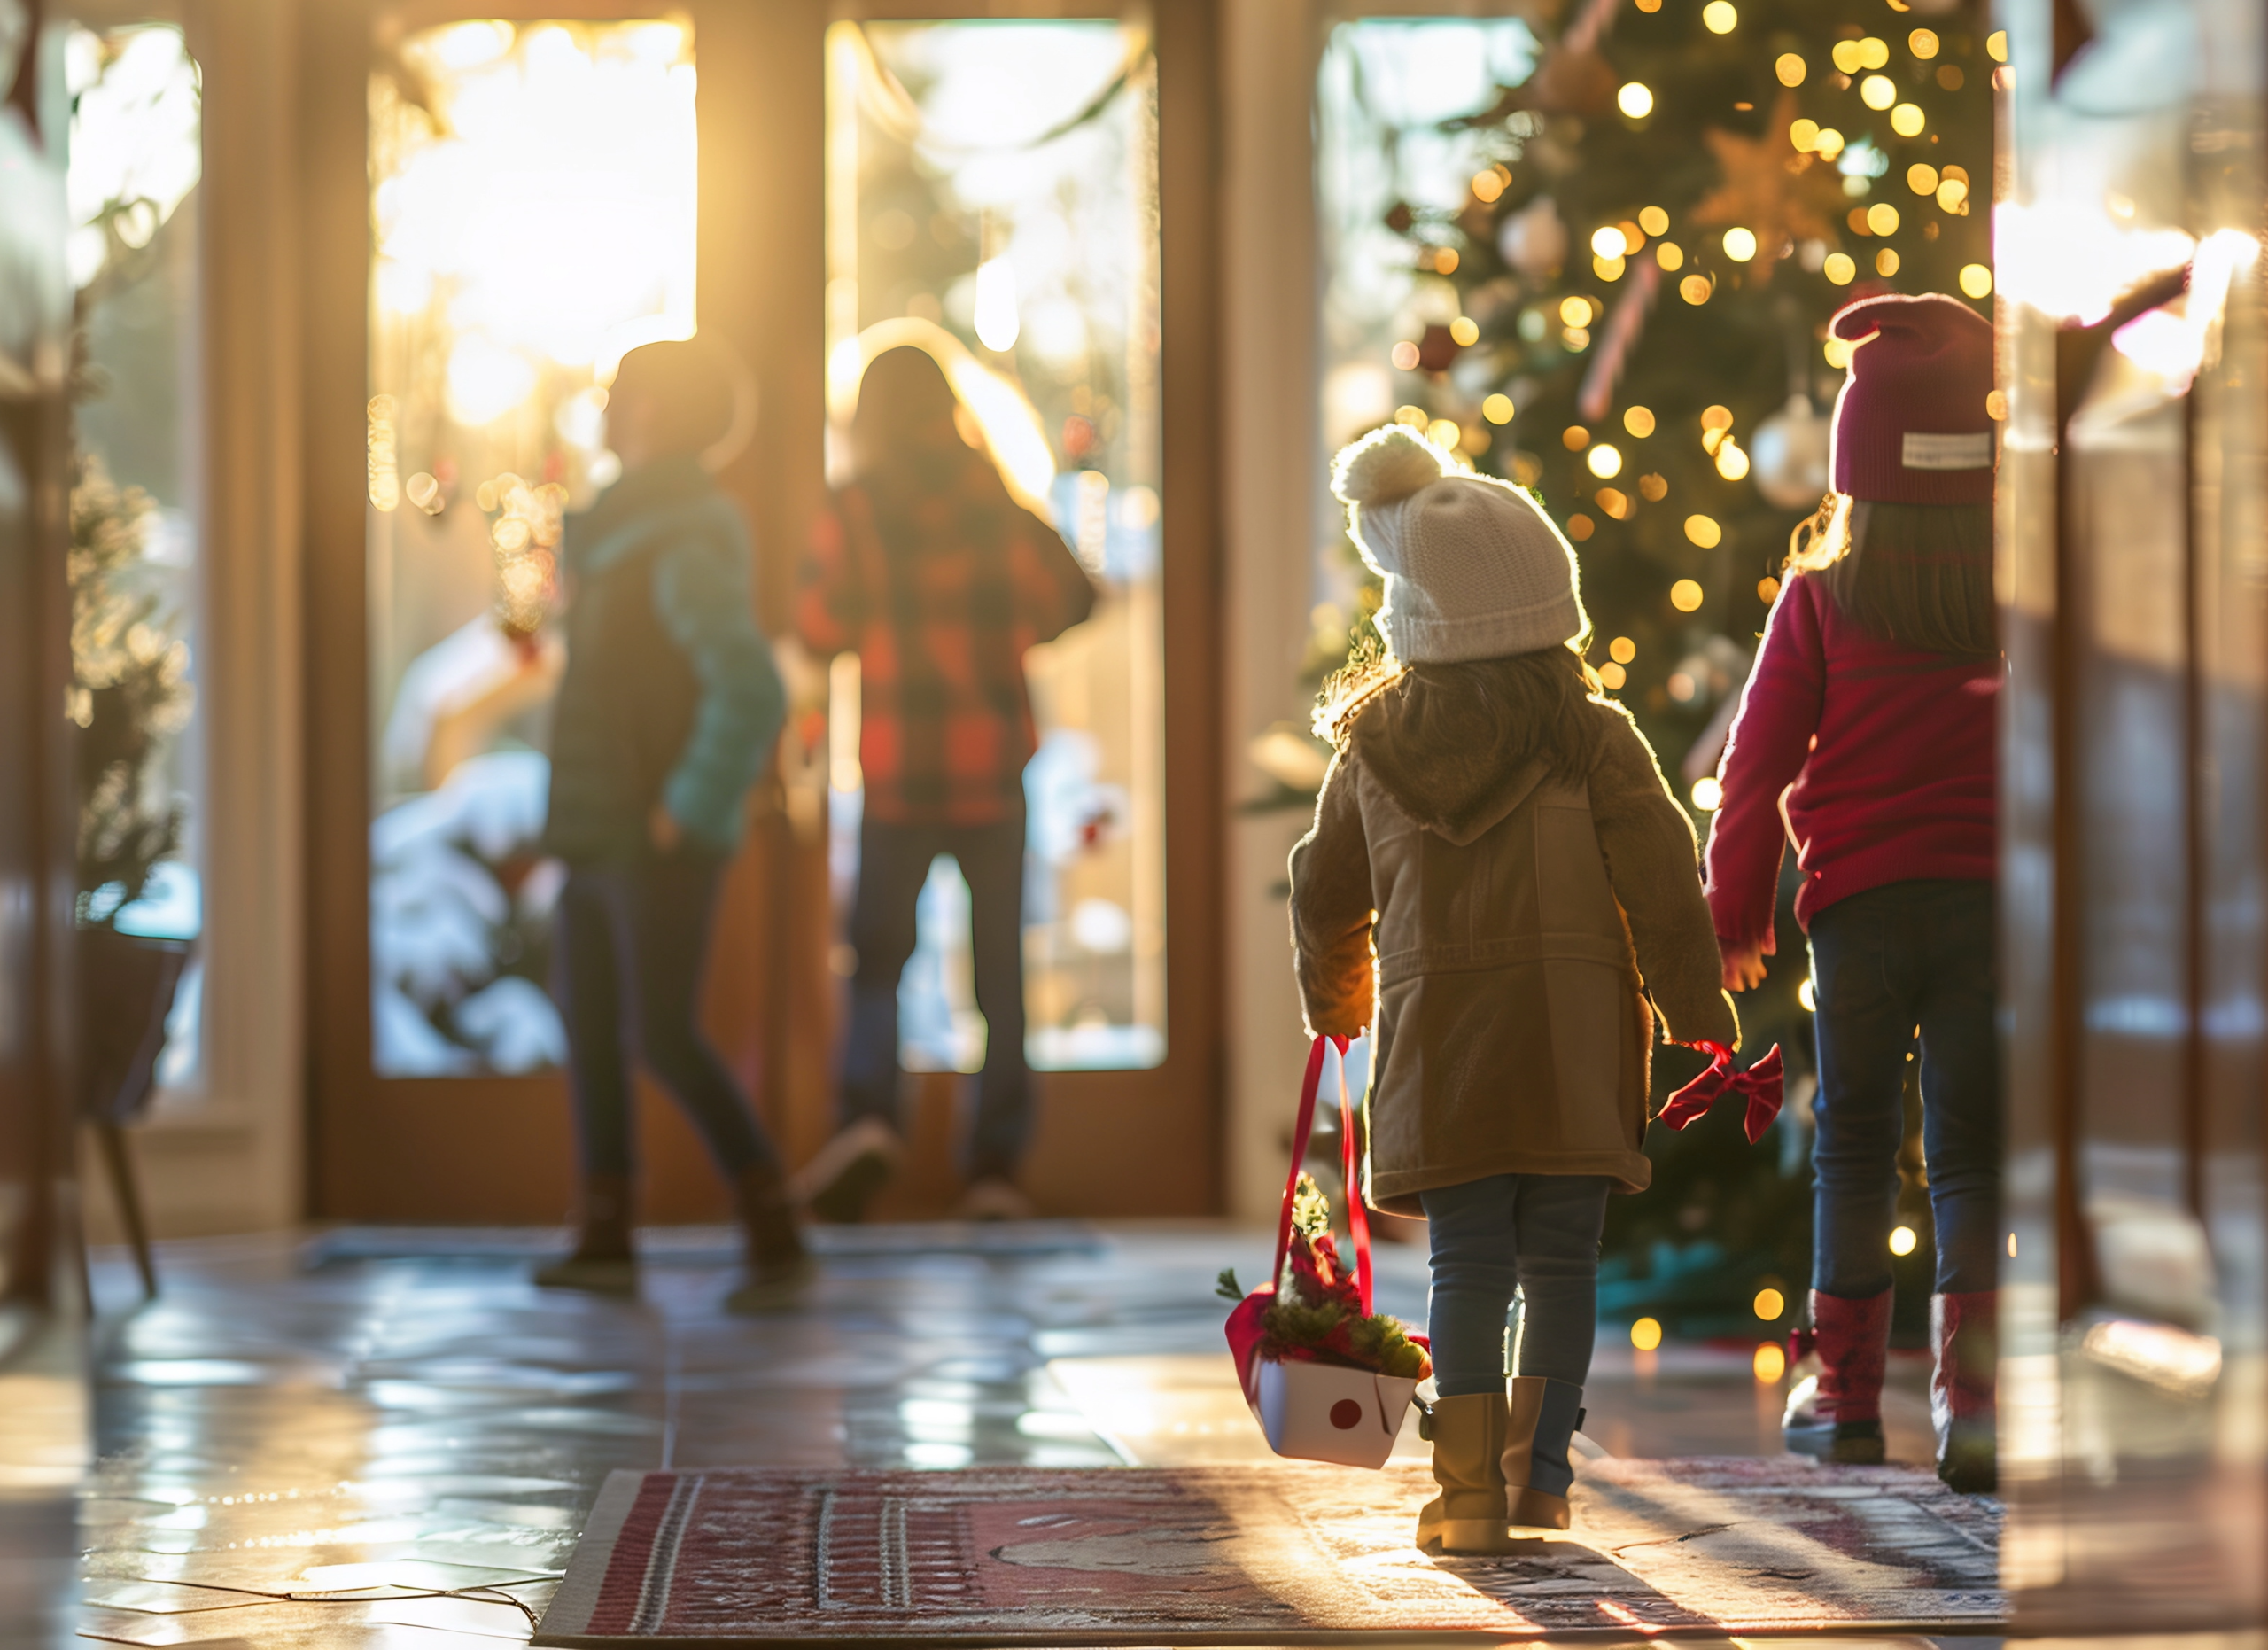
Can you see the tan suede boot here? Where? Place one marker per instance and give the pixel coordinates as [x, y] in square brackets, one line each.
[1543, 1412]
[603, 1262]
[1468, 1516]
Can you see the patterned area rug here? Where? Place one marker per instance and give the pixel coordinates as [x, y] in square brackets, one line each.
[1008, 1555]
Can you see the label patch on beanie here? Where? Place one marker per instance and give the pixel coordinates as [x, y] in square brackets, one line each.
[1948, 452]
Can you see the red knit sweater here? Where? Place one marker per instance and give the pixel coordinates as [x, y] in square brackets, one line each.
[1886, 756]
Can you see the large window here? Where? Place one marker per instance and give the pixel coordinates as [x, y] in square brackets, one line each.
[532, 207]
[992, 198]
[136, 158]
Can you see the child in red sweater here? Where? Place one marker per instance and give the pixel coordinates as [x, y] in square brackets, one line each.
[1869, 728]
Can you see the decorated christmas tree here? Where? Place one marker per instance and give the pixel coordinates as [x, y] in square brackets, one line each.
[1627, 313]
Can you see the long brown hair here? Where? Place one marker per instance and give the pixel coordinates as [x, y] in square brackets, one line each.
[1542, 704]
[1920, 575]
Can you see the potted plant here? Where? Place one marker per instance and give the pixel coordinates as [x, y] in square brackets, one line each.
[129, 694]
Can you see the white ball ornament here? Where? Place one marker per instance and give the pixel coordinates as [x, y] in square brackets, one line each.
[1534, 241]
[1788, 455]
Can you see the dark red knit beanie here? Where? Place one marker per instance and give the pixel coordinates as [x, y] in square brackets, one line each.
[1911, 426]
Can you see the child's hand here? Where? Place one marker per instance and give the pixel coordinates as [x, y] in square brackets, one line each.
[1744, 964]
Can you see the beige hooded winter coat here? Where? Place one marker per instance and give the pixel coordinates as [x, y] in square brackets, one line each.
[1503, 932]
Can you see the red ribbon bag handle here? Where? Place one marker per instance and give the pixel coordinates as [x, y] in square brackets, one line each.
[1358, 1220]
[1244, 1330]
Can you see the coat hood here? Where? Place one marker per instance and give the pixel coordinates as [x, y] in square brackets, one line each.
[1435, 741]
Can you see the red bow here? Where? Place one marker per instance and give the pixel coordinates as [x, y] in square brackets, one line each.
[1761, 1083]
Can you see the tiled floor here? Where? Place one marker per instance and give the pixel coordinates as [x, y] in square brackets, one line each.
[385, 1429]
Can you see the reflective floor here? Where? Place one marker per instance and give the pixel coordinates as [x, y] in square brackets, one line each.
[407, 1441]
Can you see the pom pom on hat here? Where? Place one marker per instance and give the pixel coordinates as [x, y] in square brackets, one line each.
[1473, 568]
[1910, 424]
[1386, 466]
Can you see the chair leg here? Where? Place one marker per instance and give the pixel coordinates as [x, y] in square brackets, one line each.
[129, 1191]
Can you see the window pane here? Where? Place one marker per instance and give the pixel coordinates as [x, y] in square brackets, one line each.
[135, 157]
[532, 208]
[992, 198]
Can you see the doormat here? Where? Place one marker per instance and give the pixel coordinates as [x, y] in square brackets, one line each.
[1225, 1555]
[701, 1246]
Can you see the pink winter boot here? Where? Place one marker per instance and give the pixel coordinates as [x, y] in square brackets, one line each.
[1964, 1330]
[1837, 1413]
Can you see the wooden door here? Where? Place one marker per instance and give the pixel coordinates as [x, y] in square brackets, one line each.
[39, 1262]
[479, 1145]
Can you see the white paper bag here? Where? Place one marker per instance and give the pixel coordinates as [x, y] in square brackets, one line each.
[1323, 1412]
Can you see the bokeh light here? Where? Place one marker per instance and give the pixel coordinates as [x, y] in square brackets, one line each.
[1635, 100]
[1646, 1334]
[1771, 1362]
[1497, 409]
[1977, 280]
[1769, 1304]
[1685, 596]
[1904, 1240]
[1707, 793]
[1740, 244]
[1604, 461]
[1790, 68]
[1719, 17]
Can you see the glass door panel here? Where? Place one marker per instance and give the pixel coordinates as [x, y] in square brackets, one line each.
[992, 198]
[533, 215]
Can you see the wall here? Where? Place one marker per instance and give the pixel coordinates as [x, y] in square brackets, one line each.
[1269, 327]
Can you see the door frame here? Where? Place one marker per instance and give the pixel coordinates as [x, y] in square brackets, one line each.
[499, 1148]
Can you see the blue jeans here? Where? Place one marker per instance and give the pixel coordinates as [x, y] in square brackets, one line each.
[893, 863]
[1883, 963]
[1535, 1232]
[629, 947]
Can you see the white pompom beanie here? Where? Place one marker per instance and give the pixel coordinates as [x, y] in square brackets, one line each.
[1473, 568]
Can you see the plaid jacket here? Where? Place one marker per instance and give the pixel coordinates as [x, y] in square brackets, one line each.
[941, 602]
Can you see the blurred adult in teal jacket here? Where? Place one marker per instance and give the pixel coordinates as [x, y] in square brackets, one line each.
[667, 715]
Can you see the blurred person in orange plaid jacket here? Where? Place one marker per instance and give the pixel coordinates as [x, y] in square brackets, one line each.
[940, 581]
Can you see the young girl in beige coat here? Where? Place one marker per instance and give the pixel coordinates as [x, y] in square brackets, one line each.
[1500, 886]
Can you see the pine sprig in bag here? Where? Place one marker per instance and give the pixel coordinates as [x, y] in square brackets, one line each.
[1316, 1315]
